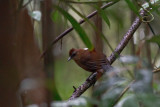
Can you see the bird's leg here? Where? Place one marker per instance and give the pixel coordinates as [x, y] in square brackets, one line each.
[99, 73]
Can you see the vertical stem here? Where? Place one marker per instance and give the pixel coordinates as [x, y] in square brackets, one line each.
[98, 40]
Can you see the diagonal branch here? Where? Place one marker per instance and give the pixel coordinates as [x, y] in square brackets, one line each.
[80, 22]
[127, 37]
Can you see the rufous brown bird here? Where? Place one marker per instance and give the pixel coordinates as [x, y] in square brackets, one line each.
[92, 61]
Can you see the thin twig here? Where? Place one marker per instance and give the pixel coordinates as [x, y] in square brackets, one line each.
[26, 3]
[123, 92]
[81, 89]
[151, 29]
[127, 37]
[154, 34]
[156, 70]
[80, 22]
[156, 56]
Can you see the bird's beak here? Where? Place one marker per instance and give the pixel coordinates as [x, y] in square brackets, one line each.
[69, 58]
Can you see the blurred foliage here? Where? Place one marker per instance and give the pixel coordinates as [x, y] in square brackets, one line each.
[133, 90]
[78, 28]
[120, 92]
[132, 7]
[135, 85]
[155, 39]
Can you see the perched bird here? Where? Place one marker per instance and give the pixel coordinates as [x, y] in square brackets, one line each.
[92, 61]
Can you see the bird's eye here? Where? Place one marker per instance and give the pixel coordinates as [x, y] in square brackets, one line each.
[74, 54]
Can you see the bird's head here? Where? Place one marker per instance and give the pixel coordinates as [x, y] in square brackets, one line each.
[72, 53]
[75, 52]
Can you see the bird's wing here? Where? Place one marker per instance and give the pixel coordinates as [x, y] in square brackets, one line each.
[94, 65]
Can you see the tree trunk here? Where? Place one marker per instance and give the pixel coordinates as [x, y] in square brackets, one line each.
[19, 58]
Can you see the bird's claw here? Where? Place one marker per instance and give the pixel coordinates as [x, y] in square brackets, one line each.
[74, 88]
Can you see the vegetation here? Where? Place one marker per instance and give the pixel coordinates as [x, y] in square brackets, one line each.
[36, 36]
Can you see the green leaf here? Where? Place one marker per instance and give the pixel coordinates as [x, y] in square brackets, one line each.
[148, 100]
[132, 7]
[155, 39]
[55, 16]
[104, 16]
[77, 27]
[82, 16]
[92, 25]
[102, 13]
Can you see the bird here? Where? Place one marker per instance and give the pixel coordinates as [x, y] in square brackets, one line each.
[91, 61]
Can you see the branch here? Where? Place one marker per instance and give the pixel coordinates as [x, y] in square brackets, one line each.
[156, 70]
[127, 37]
[80, 22]
[86, 2]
